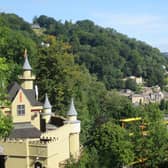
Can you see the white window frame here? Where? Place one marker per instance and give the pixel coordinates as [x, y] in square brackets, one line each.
[21, 110]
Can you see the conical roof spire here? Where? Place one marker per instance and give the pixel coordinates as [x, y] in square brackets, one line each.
[72, 111]
[47, 104]
[26, 65]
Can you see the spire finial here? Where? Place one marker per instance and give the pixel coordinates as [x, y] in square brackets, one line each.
[72, 110]
[25, 53]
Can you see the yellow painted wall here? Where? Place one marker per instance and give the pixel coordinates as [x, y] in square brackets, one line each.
[61, 144]
[52, 162]
[35, 119]
[16, 101]
[16, 153]
[16, 162]
[27, 79]
[74, 145]
[68, 140]
[14, 147]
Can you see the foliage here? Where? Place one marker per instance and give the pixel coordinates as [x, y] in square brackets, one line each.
[151, 147]
[108, 54]
[116, 106]
[131, 84]
[12, 45]
[112, 144]
[5, 125]
[4, 75]
[14, 22]
[89, 159]
[5, 121]
[163, 105]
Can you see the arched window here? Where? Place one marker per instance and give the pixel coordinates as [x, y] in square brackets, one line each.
[38, 165]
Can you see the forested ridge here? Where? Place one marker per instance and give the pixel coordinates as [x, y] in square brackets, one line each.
[105, 52]
[88, 62]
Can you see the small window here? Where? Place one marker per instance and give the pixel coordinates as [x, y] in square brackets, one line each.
[20, 110]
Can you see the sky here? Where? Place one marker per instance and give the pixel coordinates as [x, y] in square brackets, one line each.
[145, 20]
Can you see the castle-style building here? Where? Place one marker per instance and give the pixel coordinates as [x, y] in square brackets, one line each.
[39, 139]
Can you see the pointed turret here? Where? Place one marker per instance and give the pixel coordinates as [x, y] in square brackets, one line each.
[74, 125]
[47, 104]
[26, 65]
[47, 109]
[27, 77]
[72, 110]
[72, 113]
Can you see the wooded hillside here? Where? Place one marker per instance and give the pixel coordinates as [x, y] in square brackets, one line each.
[105, 52]
[86, 61]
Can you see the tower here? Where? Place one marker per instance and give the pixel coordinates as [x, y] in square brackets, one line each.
[47, 109]
[74, 142]
[27, 78]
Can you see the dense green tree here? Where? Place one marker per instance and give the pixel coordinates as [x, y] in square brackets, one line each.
[151, 147]
[14, 22]
[89, 159]
[113, 145]
[12, 46]
[116, 106]
[131, 84]
[5, 125]
[163, 105]
[13, 43]
[53, 69]
[5, 121]
[4, 68]
[107, 53]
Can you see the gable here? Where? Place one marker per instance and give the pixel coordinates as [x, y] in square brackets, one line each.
[20, 98]
[29, 93]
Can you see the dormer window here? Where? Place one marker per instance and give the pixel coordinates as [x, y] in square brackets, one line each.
[20, 110]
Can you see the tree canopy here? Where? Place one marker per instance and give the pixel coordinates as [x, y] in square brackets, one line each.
[105, 52]
[5, 121]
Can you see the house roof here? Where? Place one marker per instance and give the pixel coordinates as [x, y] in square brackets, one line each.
[24, 130]
[30, 94]
[12, 90]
